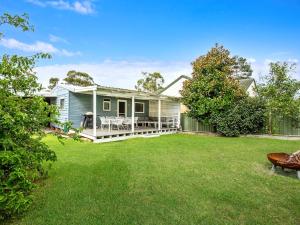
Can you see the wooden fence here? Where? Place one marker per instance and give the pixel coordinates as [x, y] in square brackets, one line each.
[286, 127]
[282, 126]
[192, 125]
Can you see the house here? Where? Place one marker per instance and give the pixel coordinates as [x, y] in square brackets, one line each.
[173, 89]
[105, 113]
[249, 85]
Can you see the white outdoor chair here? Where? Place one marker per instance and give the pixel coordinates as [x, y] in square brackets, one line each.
[118, 123]
[104, 122]
[127, 122]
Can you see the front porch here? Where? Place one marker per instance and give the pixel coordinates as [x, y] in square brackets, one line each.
[117, 135]
[117, 114]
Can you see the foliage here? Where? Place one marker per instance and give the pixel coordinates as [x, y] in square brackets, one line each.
[279, 91]
[23, 115]
[243, 117]
[79, 78]
[15, 21]
[212, 89]
[53, 81]
[152, 82]
[241, 69]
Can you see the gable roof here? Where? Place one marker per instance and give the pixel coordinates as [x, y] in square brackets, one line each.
[173, 82]
[246, 82]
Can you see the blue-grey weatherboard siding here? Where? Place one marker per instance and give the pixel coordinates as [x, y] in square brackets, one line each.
[79, 104]
[62, 93]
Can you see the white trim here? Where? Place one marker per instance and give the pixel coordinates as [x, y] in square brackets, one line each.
[94, 113]
[159, 114]
[105, 101]
[132, 113]
[143, 103]
[122, 100]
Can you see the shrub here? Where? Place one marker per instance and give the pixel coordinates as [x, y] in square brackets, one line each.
[23, 115]
[244, 117]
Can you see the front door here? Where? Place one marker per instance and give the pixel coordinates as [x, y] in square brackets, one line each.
[122, 108]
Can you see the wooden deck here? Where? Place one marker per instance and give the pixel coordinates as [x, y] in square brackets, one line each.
[117, 135]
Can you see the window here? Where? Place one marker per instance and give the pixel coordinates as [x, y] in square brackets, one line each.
[62, 103]
[139, 107]
[106, 104]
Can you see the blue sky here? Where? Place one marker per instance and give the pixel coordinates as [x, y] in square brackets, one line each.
[116, 40]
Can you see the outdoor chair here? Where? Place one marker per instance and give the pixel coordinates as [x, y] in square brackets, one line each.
[117, 123]
[104, 122]
[127, 123]
[285, 160]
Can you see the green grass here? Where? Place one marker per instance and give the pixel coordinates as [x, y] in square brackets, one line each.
[175, 179]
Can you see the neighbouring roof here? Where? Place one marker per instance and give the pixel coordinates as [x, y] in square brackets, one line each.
[173, 82]
[246, 83]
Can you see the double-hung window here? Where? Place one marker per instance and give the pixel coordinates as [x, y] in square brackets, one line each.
[139, 107]
[106, 104]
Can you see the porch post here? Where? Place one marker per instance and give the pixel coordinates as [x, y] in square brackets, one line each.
[94, 112]
[179, 116]
[159, 114]
[132, 114]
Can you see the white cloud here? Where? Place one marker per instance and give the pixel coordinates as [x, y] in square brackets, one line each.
[261, 68]
[79, 6]
[55, 39]
[251, 60]
[123, 74]
[38, 46]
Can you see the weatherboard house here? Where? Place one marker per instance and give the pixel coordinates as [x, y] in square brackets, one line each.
[106, 113]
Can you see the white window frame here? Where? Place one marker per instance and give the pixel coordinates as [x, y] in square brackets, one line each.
[106, 100]
[143, 103]
[62, 107]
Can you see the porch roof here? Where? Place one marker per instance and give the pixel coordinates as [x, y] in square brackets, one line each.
[117, 92]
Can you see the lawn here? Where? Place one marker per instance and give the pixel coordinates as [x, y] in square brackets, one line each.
[174, 179]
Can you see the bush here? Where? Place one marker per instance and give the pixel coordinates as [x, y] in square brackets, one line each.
[244, 117]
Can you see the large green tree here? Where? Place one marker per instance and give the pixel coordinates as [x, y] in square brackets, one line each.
[23, 115]
[79, 78]
[53, 81]
[280, 93]
[152, 82]
[213, 88]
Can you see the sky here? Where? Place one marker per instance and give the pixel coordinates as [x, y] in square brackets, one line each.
[115, 40]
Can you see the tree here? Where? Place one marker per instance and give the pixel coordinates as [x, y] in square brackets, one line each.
[15, 21]
[241, 69]
[152, 82]
[53, 81]
[23, 115]
[79, 79]
[213, 88]
[279, 91]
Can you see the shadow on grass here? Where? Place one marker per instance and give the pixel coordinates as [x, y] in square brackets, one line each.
[281, 172]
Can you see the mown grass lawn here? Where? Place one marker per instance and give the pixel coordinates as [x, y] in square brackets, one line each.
[175, 179]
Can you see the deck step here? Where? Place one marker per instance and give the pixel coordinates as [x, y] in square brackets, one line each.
[150, 135]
